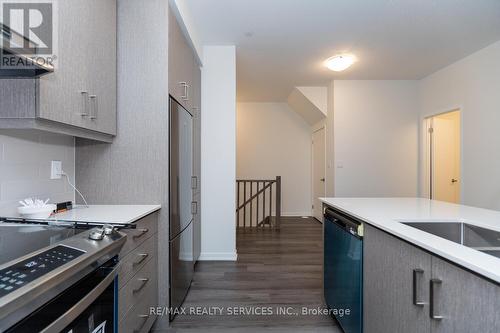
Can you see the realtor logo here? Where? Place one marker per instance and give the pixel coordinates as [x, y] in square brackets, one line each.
[28, 28]
[31, 20]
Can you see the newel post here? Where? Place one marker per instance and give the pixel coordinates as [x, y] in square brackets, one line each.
[278, 201]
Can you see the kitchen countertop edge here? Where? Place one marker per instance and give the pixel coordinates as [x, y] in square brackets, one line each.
[483, 264]
[109, 214]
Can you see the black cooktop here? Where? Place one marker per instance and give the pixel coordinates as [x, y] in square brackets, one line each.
[18, 240]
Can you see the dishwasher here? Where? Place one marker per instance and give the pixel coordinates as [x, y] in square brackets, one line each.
[343, 269]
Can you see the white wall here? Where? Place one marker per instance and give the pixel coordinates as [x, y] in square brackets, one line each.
[473, 85]
[305, 106]
[273, 140]
[330, 142]
[376, 138]
[183, 14]
[25, 158]
[218, 153]
[318, 96]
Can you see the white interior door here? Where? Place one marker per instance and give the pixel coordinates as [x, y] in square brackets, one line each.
[318, 172]
[446, 157]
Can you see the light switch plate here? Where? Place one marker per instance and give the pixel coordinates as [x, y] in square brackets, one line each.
[55, 170]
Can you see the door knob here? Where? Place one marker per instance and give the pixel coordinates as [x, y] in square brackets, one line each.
[322, 179]
[454, 180]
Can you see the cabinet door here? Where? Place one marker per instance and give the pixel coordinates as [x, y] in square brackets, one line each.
[197, 128]
[467, 302]
[82, 90]
[62, 94]
[196, 150]
[180, 64]
[388, 285]
[102, 80]
[197, 229]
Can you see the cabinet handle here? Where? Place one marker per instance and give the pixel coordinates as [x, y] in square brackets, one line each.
[144, 318]
[185, 96]
[96, 110]
[432, 307]
[141, 233]
[143, 257]
[93, 114]
[85, 104]
[143, 281]
[416, 273]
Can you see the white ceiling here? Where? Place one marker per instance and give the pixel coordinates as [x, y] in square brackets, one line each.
[393, 39]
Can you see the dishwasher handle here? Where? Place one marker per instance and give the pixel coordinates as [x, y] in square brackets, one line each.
[350, 226]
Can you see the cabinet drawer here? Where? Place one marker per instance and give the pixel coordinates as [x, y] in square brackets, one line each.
[135, 260]
[140, 285]
[146, 227]
[138, 318]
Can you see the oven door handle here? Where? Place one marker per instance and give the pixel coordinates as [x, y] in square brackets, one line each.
[69, 316]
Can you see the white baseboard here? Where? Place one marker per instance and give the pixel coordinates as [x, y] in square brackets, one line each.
[218, 256]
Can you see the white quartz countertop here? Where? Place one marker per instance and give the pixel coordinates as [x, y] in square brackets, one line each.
[112, 214]
[388, 213]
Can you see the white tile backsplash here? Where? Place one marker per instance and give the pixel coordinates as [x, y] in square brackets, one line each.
[25, 158]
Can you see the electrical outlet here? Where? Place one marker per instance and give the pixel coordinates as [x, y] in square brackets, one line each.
[55, 170]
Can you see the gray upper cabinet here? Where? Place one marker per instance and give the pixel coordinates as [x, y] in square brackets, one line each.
[79, 98]
[467, 302]
[59, 93]
[407, 289]
[396, 287]
[181, 65]
[102, 81]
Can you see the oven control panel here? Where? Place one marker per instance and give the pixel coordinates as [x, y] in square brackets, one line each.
[23, 272]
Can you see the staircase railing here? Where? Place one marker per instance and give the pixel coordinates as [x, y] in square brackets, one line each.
[256, 206]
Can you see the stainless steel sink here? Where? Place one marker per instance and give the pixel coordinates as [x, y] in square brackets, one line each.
[477, 238]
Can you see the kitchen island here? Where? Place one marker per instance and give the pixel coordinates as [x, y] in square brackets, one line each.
[415, 281]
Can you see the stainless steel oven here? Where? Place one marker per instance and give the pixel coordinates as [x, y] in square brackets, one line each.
[68, 284]
[87, 306]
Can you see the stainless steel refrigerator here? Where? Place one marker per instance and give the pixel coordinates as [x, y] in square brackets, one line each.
[180, 203]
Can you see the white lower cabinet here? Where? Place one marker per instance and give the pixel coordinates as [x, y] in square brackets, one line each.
[409, 290]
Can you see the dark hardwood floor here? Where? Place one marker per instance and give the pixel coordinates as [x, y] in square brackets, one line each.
[275, 270]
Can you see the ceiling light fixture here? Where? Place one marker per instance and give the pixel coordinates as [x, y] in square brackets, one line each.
[340, 62]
